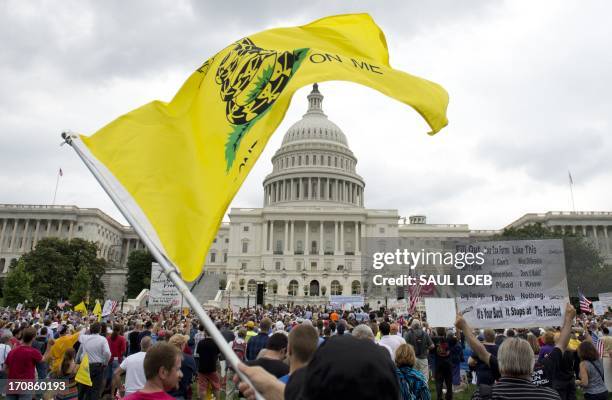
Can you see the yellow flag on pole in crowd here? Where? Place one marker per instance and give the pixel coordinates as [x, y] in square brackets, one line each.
[176, 166]
[81, 307]
[82, 375]
[97, 311]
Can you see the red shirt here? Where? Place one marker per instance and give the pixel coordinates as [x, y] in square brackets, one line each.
[21, 362]
[149, 396]
[117, 347]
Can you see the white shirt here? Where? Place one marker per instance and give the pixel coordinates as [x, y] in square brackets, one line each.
[96, 347]
[392, 342]
[5, 349]
[134, 372]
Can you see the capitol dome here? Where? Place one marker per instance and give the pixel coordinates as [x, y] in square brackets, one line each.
[315, 125]
[314, 163]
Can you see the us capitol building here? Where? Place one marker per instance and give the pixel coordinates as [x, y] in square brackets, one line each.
[301, 246]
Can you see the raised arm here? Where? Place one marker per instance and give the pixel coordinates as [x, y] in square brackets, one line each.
[566, 329]
[477, 347]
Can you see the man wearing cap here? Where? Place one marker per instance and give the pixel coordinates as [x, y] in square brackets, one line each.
[250, 325]
[257, 343]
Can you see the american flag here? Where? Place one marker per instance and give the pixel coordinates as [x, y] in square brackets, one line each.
[61, 173]
[598, 344]
[585, 304]
[415, 296]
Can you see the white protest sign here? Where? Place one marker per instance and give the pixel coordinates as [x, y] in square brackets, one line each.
[339, 301]
[599, 308]
[529, 285]
[162, 293]
[606, 299]
[440, 312]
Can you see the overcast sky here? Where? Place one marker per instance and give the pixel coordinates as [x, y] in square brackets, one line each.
[529, 86]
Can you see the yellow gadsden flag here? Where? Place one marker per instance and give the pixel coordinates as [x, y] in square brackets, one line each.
[82, 375]
[175, 167]
[81, 307]
[97, 311]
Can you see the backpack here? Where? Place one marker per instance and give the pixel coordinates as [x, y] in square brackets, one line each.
[419, 343]
[239, 349]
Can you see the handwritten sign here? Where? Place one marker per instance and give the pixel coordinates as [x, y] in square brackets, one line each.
[162, 292]
[529, 285]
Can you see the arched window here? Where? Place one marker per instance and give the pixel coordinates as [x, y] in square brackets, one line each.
[252, 286]
[293, 288]
[336, 288]
[314, 288]
[356, 287]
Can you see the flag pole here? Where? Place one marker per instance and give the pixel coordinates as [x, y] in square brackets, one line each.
[571, 185]
[56, 185]
[169, 269]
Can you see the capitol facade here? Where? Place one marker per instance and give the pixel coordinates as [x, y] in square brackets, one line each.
[305, 242]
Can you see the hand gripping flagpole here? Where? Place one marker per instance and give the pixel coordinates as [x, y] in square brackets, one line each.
[168, 267]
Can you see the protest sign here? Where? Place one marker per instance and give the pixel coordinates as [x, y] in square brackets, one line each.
[339, 301]
[599, 308]
[440, 312]
[529, 286]
[606, 299]
[162, 292]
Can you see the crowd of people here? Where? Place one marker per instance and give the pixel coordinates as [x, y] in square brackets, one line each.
[302, 353]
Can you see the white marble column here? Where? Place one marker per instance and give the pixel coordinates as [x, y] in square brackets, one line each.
[286, 236]
[264, 235]
[292, 239]
[321, 227]
[341, 237]
[71, 230]
[337, 190]
[574, 229]
[24, 240]
[584, 230]
[15, 223]
[356, 238]
[59, 228]
[306, 242]
[35, 240]
[607, 240]
[595, 236]
[2, 234]
[335, 236]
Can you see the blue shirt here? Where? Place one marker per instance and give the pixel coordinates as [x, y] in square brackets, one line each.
[255, 344]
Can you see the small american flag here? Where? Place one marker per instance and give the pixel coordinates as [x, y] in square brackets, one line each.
[598, 344]
[61, 173]
[585, 304]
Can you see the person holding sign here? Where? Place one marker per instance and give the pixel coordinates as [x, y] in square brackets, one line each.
[513, 366]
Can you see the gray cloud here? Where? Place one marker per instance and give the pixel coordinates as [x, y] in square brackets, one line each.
[528, 86]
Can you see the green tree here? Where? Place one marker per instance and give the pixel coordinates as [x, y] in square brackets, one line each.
[583, 262]
[55, 263]
[17, 285]
[80, 287]
[139, 272]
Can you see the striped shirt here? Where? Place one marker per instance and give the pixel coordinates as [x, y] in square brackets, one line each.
[518, 389]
